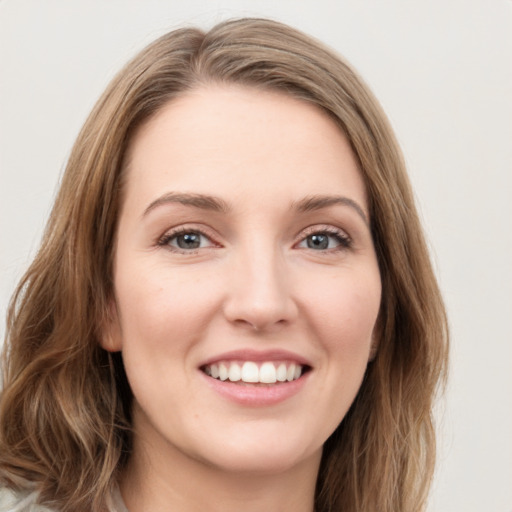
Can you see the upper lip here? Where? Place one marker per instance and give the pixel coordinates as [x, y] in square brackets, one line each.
[257, 356]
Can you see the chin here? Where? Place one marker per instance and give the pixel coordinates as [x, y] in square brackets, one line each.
[260, 456]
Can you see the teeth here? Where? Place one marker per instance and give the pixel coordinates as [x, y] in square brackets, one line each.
[223, 371]
[281, 372]
[268, 373]
[250, 372]
[290, 372]
[235, 373]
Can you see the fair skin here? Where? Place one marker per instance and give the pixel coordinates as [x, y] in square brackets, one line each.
[243, 247]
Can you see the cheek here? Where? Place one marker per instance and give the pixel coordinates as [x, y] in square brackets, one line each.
[162, 309]
[342, 315]
[159, 324]
[345, 313]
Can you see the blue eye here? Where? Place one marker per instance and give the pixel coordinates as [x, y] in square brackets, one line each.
[323, 241]
[186, 240]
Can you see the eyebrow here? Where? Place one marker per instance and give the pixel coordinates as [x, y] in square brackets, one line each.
[204, 202]
[215, 204]
[318, 202]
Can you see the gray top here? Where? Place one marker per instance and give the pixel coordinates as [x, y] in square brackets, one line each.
[11, 501]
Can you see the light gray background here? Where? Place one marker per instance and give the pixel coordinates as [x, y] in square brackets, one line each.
[442, 70]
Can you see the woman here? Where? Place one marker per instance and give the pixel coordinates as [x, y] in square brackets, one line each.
[233, 304]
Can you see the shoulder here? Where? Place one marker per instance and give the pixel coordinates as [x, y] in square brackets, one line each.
[23, 501]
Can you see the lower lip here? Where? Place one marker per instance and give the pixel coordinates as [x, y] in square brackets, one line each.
[256, 396]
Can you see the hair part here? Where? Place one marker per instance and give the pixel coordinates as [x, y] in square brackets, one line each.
[65, 423]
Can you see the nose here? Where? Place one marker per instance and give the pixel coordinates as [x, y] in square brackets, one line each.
[259, 294]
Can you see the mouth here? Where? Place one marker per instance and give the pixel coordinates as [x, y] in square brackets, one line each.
[252, 373]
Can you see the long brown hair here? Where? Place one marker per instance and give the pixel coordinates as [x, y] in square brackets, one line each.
[65, 406]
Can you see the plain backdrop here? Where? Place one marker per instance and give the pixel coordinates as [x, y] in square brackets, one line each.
[443, 72]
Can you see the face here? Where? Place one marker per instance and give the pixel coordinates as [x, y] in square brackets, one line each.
[246, 281]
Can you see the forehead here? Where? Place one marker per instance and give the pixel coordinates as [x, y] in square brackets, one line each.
[218, 139]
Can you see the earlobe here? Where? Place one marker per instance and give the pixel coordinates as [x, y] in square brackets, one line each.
[110, 337]
[373, 349]
[377, 335]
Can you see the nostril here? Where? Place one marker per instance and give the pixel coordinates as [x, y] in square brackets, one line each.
[261, 316]
[259, 322]
[259, 296]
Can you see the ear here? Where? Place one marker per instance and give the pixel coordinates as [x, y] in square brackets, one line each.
[110, 331]
[374, 347]
[376, 337]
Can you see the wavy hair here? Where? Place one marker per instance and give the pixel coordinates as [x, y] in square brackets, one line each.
[65, 406]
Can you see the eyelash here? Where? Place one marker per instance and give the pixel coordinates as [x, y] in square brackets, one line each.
[343, 240]
[166, 239]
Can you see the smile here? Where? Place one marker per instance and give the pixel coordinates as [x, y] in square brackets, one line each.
[250, 372]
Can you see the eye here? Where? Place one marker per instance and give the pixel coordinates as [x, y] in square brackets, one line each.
[325, 240]
[186, 240]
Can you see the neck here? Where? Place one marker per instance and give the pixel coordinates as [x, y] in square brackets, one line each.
[158, 481]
